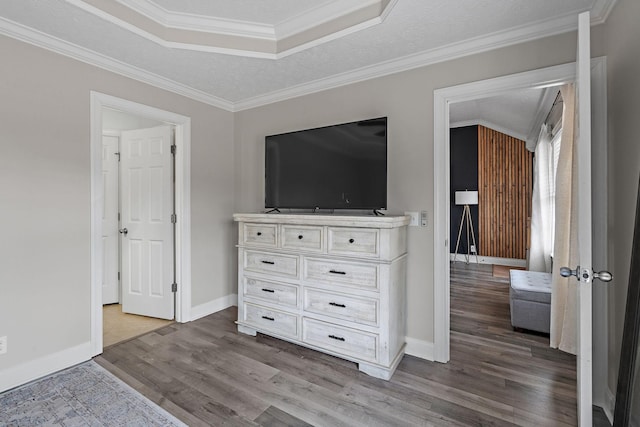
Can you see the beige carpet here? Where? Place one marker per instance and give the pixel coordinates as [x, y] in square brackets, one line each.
[502, 271]
[119, 326]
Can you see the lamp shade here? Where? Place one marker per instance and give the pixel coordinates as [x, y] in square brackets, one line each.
[466, 197]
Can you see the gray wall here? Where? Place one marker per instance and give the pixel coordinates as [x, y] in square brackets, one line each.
[407, 99]
[622, 35]
[45, 196]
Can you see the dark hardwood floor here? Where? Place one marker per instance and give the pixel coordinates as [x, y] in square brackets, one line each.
[205, 373]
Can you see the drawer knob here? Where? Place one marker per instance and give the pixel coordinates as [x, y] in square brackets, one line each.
[259, 233]
[335, 304]
[351, 240]
[268, 262]
[268, 290]
[300, 236]
[336, 272]
[268, 318]
[334, 337]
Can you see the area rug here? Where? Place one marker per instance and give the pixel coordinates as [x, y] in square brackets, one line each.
[83, 395]
[502, 271]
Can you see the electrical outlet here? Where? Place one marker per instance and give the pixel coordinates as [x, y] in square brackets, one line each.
[473, 249]
[3, 345]
[415, 218]
[423, 218]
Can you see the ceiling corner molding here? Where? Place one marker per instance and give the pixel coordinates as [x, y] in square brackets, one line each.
[36, 38]
[601, 10]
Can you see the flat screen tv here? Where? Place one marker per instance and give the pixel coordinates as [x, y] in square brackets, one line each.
[334, 167]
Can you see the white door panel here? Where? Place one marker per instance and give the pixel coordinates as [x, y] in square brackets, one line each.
[147, 206]
[110, 236]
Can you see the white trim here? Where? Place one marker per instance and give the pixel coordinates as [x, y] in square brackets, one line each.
[38, 368]
[509, 262]
[214, 306]
[99, 101]
[45, 41]
[419, 348]
[489, 125]
[239, 29]
[610, 405]
[442, 98]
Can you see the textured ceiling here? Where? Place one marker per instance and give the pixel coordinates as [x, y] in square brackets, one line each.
[415, 32]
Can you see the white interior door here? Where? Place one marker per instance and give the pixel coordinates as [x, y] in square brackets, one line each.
[110, 236]
[147, 260]
[583, 135]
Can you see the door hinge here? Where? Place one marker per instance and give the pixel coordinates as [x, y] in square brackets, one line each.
[173, 149]
[118, 216]
[174, 287]
[174, 218]
[118, 276]
[117, 154]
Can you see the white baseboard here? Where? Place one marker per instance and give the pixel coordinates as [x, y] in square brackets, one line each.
[214, 306]
[419, 348]
[510, 262]
[609, 404]
[38, 368]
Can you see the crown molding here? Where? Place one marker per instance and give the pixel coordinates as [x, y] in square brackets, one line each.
[601, 10]
[29, 35]
[237, 37]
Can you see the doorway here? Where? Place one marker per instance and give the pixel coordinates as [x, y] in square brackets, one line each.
[137, 172]
[546, 77]
[181, 234]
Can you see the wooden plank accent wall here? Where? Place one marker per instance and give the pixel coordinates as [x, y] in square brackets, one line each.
[505, 181]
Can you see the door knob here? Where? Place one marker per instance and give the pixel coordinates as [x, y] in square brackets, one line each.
[123, 231]
[605, 276]
[567, 272]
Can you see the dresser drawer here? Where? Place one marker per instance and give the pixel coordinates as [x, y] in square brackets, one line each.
[260, 234]
[341, 272]
[354, 309]
[269, 263]
[278, 293]
[277, 322]
[302, 237]
[354, 241]
[358, 344]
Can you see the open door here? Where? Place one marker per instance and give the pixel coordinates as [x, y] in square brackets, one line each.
[147, 200]
[584, 271]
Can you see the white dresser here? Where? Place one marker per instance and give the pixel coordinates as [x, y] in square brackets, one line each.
[334, 283]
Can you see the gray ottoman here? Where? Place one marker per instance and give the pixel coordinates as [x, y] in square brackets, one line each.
[530, 300]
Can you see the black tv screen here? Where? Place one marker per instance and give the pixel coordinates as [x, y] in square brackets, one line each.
[334, 167]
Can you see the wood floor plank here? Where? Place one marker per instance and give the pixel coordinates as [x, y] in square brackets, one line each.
[206, 373]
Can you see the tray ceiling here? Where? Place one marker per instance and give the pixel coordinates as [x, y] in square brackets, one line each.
[269, 50]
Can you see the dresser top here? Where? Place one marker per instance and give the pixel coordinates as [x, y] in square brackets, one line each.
[342, 220]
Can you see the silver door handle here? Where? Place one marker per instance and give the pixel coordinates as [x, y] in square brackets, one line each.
[123, 231]
[604, 276]
[567, 272]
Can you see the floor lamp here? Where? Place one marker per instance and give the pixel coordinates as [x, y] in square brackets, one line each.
[466, 198]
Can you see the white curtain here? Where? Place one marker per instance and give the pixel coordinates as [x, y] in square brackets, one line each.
[543, 204]
[564, 290]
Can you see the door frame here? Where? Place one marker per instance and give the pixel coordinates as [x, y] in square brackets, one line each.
[99, 101]
[545, 77]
